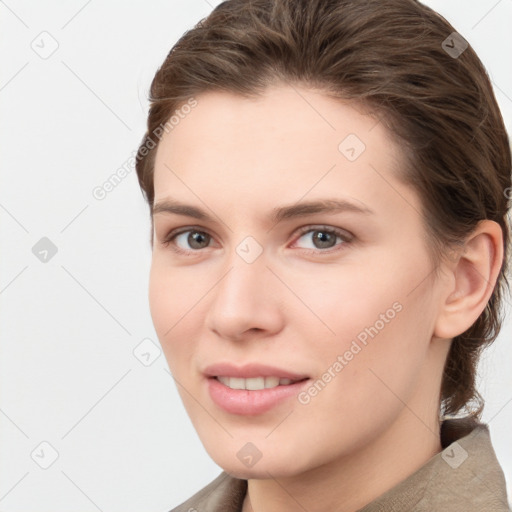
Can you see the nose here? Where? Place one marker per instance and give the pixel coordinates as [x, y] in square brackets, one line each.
[246, 301]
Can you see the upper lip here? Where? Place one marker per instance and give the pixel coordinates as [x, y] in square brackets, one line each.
[250, 370]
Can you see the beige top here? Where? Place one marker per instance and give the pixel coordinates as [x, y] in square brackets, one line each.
[465, 477]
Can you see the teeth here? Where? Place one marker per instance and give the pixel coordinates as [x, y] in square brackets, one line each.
[236, 383]
[253, 383]
[272, 382]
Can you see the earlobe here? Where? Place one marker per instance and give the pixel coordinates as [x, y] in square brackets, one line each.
[473, 277]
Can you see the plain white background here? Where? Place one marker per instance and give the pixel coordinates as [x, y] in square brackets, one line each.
[70, 325]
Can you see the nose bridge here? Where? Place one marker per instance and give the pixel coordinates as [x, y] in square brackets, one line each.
[246, 266]
[244, 297]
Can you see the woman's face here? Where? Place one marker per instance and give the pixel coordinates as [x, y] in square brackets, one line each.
[343, 296]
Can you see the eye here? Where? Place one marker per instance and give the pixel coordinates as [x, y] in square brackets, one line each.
[195, 239]
[323, 237]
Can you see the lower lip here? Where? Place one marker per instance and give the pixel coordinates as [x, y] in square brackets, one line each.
[243, 401]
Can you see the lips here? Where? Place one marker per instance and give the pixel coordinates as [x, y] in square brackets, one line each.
[253, 388]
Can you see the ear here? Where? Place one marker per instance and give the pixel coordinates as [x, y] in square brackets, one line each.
[472, 278]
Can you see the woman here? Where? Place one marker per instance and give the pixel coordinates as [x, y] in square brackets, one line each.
[328, 187]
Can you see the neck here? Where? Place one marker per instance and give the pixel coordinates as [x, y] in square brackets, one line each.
[351, 482]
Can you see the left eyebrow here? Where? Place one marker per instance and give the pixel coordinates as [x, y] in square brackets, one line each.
[277, 214]
[321, 206]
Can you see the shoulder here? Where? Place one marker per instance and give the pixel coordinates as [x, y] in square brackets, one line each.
[469, 474]
[466, 475]
[223, 494]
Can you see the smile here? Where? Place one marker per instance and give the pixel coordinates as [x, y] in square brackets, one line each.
[254, 383]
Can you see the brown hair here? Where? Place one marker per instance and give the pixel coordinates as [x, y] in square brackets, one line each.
[391, 57]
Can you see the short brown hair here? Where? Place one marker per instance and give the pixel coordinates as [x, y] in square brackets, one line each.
[392, 58]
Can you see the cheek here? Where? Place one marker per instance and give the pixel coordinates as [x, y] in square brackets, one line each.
[161, 300]
[354, 295]
[169, 306]
[345, 300]
[376, 315]
[172, 294]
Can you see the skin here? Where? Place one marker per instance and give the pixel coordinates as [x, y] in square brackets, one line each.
[376, 421]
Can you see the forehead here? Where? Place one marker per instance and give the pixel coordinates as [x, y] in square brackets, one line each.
[284, 116]
[288, 143]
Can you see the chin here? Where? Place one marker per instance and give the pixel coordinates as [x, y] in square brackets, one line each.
[258, 473]
[265, 468]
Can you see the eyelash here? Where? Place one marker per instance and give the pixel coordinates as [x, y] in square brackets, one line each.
[347, 238]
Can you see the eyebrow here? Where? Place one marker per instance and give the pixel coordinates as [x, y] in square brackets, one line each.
[276, 215]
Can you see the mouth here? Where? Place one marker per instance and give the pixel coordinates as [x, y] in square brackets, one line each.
[256, 383]
[252, 389]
